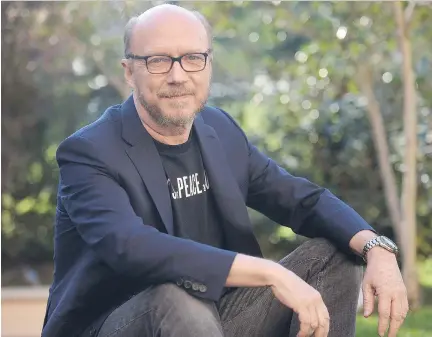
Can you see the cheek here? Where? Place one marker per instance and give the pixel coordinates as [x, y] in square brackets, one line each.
[145, 85]
[202, 85]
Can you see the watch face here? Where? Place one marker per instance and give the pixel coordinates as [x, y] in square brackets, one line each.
[385, 240]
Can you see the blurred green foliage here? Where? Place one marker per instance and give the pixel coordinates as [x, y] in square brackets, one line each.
[287, 71]
[417, 324]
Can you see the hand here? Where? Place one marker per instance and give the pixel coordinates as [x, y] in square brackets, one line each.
[304, 300]
[383, 279]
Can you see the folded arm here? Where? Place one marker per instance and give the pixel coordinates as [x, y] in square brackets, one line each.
[308, 209]
[101, 210]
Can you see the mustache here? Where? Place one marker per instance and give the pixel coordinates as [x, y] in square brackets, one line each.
[176, 93]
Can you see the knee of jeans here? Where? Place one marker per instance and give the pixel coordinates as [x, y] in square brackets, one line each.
[323, 249]
[319, 248]
[349, 271]
[178, 310]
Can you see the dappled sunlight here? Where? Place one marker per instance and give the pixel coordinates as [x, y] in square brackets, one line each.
[320, 87]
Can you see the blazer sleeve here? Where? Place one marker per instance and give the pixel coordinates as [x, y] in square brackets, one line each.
[310, 210]
[106, 221]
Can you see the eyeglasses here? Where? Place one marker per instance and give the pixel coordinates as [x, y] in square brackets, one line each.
[161, 64]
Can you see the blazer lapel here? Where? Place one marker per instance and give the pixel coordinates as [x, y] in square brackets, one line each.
[143, 153]
[239, 236]
[146, 159]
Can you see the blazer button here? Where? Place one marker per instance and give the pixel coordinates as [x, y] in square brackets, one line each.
[179, 282]
[187, 284]
[202, 288]
[93, 332]
[195, 286]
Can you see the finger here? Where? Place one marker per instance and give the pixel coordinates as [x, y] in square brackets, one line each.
[384, 307]
[306, 318]
[324, 322]
[368, 300]
[399, 310]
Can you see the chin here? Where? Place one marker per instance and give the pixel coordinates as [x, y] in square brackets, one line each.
[183, 108]
[180, 116]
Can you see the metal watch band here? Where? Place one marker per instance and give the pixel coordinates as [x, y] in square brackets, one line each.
[369, 245]
[380, 241]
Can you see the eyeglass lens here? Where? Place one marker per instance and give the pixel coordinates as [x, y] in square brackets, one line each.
[190, 62]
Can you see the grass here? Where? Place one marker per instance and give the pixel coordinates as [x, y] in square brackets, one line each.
[417, 324]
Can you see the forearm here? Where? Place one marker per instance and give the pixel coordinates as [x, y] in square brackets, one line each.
[307, 208]
[249, 271]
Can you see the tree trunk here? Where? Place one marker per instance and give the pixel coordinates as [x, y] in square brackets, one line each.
[380, 142]
[409, 184]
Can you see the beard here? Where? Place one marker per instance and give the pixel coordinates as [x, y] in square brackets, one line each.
[163, 119]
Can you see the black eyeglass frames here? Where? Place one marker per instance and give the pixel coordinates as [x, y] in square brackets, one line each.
[161, 64]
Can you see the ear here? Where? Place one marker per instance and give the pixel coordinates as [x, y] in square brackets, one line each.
[128, 70]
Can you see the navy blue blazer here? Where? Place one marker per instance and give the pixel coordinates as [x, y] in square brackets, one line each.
[114, 223]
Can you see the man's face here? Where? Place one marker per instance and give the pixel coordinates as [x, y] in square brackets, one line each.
[175, 97]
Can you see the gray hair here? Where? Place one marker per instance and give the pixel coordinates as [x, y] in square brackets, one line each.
[134, 20]
[128, 34]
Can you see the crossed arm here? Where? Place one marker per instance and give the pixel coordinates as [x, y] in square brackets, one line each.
[315, 212]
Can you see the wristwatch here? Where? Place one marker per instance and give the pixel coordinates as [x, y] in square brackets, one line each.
[381, 241]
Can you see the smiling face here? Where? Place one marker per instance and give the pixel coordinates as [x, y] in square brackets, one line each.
[173, 98]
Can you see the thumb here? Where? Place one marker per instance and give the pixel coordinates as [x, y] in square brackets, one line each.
[368, 300]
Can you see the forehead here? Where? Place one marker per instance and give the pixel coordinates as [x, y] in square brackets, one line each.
[173, 35]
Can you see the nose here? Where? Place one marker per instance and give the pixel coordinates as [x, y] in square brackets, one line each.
[177, 74]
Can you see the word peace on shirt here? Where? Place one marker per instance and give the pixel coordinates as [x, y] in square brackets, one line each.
[188, 186]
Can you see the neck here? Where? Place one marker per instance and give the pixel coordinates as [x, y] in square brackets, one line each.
[171, 135]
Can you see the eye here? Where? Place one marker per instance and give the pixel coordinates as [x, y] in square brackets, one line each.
[158, 60]
[194, 57]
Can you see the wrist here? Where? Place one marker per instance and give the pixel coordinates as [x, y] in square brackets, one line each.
[387, 248]
[360, 239]
[379, 252]
[274, 274]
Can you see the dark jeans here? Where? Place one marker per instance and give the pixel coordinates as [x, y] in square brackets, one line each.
[169, 311]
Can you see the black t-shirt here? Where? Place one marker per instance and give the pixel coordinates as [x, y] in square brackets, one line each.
[194, 209]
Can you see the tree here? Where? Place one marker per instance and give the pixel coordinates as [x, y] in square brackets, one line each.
[409, 187]
[287, 71]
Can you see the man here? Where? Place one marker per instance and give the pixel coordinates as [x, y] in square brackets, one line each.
[152, 232]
